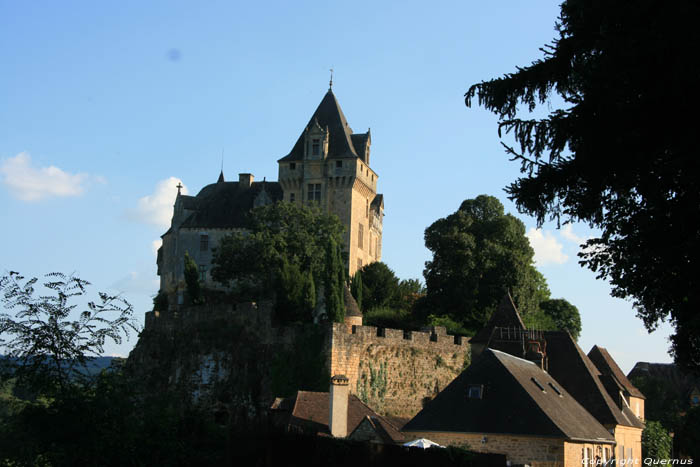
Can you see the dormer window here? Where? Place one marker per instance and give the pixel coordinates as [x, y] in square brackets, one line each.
[316, 147]
[292, 166]
[475, 391]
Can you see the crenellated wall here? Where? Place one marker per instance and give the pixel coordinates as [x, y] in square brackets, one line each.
[209, 351]
[394, 371]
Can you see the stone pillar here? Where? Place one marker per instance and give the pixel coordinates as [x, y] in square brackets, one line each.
[338, 410]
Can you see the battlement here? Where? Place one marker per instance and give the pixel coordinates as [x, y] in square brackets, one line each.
[436, 335]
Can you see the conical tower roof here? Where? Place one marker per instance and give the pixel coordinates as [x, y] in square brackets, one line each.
[505, 316]
[328, 116]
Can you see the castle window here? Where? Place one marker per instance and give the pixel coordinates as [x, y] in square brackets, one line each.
[204, 242]
[202, 272]
[314, 192]
[338, 164]
[292, 197]
[475, 391]
[361, 236]
[359, 263]
[555, 389]
[316, 147]
[292, 166]
[370, 243]
[367, 208]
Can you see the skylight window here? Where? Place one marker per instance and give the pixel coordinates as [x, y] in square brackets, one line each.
[475, 391]
[555, 389]
[538, 384]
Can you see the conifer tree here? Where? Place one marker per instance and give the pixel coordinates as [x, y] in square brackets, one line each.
[356, 288]
[192, 279]
[335, 306]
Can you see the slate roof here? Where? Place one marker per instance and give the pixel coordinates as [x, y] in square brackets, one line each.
[378, 202]
[511, 404]
[225, 204]
[607, 366]
[308, 413]
[328, 115]
[579, 375]
[505, 316]
[351, 307]
[359, 142]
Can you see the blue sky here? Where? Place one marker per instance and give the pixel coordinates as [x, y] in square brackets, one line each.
[104, 106]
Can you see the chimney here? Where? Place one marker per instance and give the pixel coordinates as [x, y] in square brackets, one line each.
[245, 180]
[338, 410]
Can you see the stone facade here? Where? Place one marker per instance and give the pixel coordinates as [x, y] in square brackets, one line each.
[206, 351]
[396, 371]
[629, 444]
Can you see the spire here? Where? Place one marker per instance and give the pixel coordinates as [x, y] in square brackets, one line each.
[221, 177]
[330, 84]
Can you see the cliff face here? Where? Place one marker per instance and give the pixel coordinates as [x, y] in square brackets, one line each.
[230, 360]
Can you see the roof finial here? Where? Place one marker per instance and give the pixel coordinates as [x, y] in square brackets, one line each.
[330, 84]
[179, 186]
[221, 175]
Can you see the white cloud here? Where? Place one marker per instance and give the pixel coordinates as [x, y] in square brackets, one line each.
[568, 233]
[155, 244]
[136, 283]
[547, 249]
[30, 183]
[157, 208]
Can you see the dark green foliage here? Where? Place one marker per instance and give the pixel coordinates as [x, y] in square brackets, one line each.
[194, 291]
[618, 154]
[452, 326]
[334, 281]
[688, 436]
[160, 302]
[379, 285]
[564, 315]
[479, 253]
[284, 242]
[303, 366]
[664, 402]
[656, 441]
[356, 288]
[392, 318]
[46, 348]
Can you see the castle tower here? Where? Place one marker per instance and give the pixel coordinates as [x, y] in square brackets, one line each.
[329, 166]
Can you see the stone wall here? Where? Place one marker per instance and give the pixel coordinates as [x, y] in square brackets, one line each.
[396, 371]
[629, 439]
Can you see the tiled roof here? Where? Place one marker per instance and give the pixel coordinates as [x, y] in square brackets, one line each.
[607, 366]
[579, 375]
[327, 115]
[226, 204]
[511, 403]
[309, 414]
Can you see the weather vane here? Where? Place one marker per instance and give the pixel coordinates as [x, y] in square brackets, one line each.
[330, 84]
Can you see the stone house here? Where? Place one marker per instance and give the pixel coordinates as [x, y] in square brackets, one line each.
[329, 166]
[594, 382]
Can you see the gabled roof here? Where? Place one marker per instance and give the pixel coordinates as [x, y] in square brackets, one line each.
[505, 316]
[378, 202]
[327, 115]
[226, 204]
[511, 403]
[579, 375]
[360, 143]
[607, 366]
[308, 413]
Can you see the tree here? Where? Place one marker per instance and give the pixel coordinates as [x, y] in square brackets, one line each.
[379, 285]
[617, 154]
[478, 253]
[656, 441]
[45, 346]
[286, 249]
[564, 315]
[356, 288]
[192, 279]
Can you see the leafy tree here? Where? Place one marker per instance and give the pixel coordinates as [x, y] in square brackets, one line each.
[285, 248]
[617, 154]
[656, 441]
[194, 290]
[689, 434]
[356, 288]
[564, 315]
[48, 341]
[478, 253]
[380, 286]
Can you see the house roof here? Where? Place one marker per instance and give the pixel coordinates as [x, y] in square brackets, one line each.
[308, 412]
[607, 366]
[505, 316]
[512, 403]
[579, 375]
[328, 115]
[226, 204]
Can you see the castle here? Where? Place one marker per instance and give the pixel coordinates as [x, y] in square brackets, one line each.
[329, 166]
